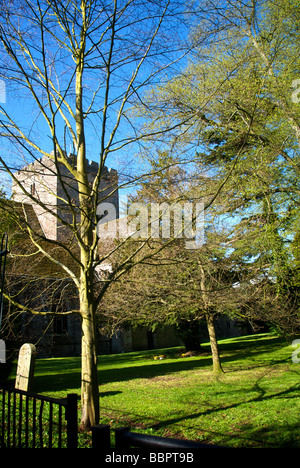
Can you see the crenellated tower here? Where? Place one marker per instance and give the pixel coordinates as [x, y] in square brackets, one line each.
[55, 188]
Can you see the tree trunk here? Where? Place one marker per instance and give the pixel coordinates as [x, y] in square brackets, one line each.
[217, 368]
[89, 377]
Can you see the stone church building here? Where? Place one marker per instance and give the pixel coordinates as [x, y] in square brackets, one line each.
[61, 335]
[53, 187]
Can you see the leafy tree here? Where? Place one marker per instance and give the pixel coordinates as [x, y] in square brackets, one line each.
[78, 67]
[178, 286]
[235, 107]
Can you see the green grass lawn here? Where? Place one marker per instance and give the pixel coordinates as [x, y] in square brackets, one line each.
[255, 403]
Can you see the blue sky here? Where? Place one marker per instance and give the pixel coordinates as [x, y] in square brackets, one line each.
[21, 107]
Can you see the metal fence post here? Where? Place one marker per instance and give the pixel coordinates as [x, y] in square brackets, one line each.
[72, 420]
[101, 437]
[120, 435]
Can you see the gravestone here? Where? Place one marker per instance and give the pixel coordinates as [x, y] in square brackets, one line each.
[2, 352]
[25, 369]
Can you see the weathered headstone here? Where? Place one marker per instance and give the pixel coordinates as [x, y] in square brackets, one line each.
[2, 352]
[25, 369]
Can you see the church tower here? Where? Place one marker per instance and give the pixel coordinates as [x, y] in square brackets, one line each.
[56, 189]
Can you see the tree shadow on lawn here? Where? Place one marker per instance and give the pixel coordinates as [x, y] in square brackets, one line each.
[148, 371]
[54, 375]
[67, 378]
[265, 436]
[229, 353]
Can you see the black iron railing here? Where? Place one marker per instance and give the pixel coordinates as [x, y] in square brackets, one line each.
[125, 439]
[28, 420]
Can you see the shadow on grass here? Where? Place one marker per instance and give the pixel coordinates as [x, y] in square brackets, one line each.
[289, 393]
[55, 375]
[51, 378]
[108, 394]
[63, 374]
[244, 434]
[148, 371]
[246, 351]
[272, 436]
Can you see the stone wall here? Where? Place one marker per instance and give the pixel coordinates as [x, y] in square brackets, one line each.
[50, 191]
[39, 180]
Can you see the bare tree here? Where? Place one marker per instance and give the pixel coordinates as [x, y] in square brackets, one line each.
[78, 67]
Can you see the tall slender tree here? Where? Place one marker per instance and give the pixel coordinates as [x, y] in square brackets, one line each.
[76, 68]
